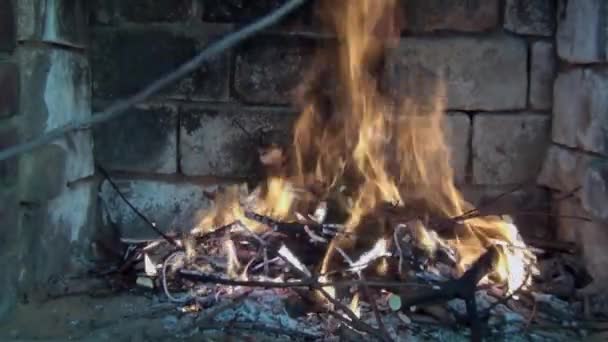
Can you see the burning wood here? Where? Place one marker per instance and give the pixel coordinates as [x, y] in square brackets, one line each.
[363, 202]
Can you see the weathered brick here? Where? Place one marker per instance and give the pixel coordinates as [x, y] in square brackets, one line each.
[563, 169]
[590, 236]
[241, 11]
[458, 128]
[58, 93]
[8, 168]
[581, 31]
[533, 17]
[224, 143]
[171, 206]
[7, 26]
[517, 204]
[459, 15]
[9, 89]
[144, 140]
[542, 75]
[594, 190]
[580, 110]
[144, 55]
[486, 73]
[267, 70]
[59, 21]
[508, 149]
[155, 10]
[59, 234]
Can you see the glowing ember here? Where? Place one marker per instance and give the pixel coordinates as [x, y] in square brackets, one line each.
[362, 148]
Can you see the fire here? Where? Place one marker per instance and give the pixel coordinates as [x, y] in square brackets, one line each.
[358, 141]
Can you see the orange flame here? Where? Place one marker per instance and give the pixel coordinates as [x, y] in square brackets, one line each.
[384, 147]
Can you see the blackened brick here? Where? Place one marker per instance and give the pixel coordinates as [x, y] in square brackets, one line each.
[223, 142]
[457, 15]
[8, 168]
[125, 61]
[143, 140]
[268, 70]
[9, 89]
[239, 11]
[155, 10]
[7, 26]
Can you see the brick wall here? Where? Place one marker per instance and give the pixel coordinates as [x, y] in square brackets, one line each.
[578, 156]
[47, 211]
[498, 59]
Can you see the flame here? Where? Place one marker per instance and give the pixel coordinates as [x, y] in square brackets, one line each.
[385, 147]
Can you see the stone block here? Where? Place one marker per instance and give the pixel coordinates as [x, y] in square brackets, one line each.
[58, 235]
[594, 190]
[8, 168]
[563, 169]
[7, 26]
[581, 30]
[143, 11]
[458, 131]
[542, 74]
[242, 11]
[224, 143]
[517, 204]
[532, 17]
[508, 149]
[171, 206]
[579, 109]
[146, 54]
[58, 93]
[56, 21]
[9, 89]
[459, 15]
[142, 140]
[590, 236]
[267, 70]
[484, 73]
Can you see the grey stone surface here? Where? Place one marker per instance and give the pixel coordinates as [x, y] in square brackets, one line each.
[147, 53]
[116, 12]
[458, 131]
[516, 204]
[581, 30]
[533, 17]
[58, 93]
[485, 73]
[594, 190]
[563, 169]
[580, 110]
[214, 142]
[8, 168]
[268, 70]
[591, 237]
[55, 230]
[9, 89]
[240, 11]
[60, 232]
[508, 149]
[56, 21]
[173, 207]
[542, 74]
[155, 10]
[143, 140]
[7, 26]
[459, 15]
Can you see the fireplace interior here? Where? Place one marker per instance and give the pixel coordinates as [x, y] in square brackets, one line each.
[379, 169]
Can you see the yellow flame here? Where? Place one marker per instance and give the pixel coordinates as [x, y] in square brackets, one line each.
[386, 148]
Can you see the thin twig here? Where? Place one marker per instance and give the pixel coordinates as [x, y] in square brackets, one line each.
[121, 107]
[135, 210]
[211, 279]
